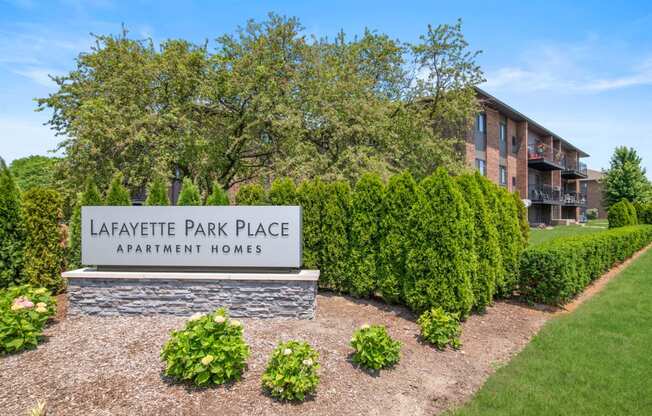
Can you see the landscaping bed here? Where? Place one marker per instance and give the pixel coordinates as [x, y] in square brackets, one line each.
[101, 366]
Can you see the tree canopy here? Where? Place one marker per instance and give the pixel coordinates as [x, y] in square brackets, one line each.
[626, 178]
[266, 100]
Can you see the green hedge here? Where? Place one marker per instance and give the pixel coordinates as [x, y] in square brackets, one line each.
[644, 212]
[556, 271]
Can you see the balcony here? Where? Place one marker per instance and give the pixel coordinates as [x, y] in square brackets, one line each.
[574, 170]
[543, 157]
[553, 195]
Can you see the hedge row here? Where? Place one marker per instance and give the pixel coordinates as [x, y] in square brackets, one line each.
[556, 271]
[437, 243]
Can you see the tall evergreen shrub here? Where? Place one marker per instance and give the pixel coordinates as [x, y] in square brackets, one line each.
[311, 195]
[523, 222]
[438, 265]
[334, 247]
[251, 194]
[282, 192]
[364, 235]
[485, 241]
[157, 193]
[401, 194]
[11, 230]
[90, 197]
[622, 214]
[189, 194]
[117, 194]
[44, 253]
[218, 196]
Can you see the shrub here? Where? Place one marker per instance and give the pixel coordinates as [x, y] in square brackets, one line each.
[209, 350]
[189, 194]
[282, 192]
[218, 196]
[44, 253]
[117, 194]
[251, 194]
[90, 197]
[401, 194]
[523, 222]
[485, 241]
[157, 193]
[334, 247]
[11, 230]
[592, 214]
[621, 214]
[440, 328]
[364, 235]
[24, 311]
[644, 212]
[311, 195]
[438, 264]
[291, 373]
[374, 348]
[555, 271]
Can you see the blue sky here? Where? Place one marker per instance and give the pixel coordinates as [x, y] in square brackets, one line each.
[582, 70]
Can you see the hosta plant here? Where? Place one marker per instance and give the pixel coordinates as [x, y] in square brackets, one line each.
[209, 350]
[24, 311]
[374, 348]
[440, 328]
[291, 373]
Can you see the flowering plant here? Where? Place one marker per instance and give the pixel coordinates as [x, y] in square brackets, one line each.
[291, 373]
[440, 328]
[209, 350]
[374, 348]
[24, 311]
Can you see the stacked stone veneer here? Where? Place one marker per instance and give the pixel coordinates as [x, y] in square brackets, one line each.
[242, 298]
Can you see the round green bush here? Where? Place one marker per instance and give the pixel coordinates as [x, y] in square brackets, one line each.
[291, 373]
[251, 194]
[209, 350]
[440, 328]
[282, 192]
[622, 214]
[374, 348]
[24, 311]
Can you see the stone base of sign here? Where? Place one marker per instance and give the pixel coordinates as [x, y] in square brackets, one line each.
[249, 295]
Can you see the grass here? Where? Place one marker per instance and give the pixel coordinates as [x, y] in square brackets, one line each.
[594, 361]
[538, 236]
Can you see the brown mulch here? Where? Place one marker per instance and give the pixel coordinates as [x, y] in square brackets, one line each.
[111, 366]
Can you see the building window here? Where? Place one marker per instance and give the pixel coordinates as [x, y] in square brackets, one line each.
[514, 145]
[503, 175]
[481, 166]
[513, 181]
[481, 132]
[502, 137]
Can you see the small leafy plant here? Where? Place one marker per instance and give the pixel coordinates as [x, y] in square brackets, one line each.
[291, 373]
[24, 311]
[374, 348]
[209, 350]
[440, 328]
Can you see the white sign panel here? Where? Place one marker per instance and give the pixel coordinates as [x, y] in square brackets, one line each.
[215, 236]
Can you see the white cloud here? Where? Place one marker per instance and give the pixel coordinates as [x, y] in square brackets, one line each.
[25, 136]
[39, 75]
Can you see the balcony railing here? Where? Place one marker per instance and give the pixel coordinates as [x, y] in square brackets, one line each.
[574, 168]
[547, 194]
[540, 151]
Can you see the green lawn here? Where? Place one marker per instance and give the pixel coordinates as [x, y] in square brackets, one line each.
[538, 236]
[594, 361]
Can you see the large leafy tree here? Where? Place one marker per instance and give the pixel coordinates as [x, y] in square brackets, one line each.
[265, 101]
[626, 178]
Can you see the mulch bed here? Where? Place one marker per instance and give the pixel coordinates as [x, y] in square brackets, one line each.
[111, 366]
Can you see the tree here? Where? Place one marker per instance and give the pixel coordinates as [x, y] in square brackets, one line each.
[439, 265]
[282, 192]
[485, 241]
[364, 235]
[90, 197]
[44, 253]
[625, 178]
[157, 193]
[401, 194]
[251, 194]
[29, 172]
[218, 196]
[117, 194]
[334, 247]
[11, 230]
[189, 194]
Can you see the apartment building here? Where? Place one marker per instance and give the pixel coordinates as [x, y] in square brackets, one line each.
[516, 152]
